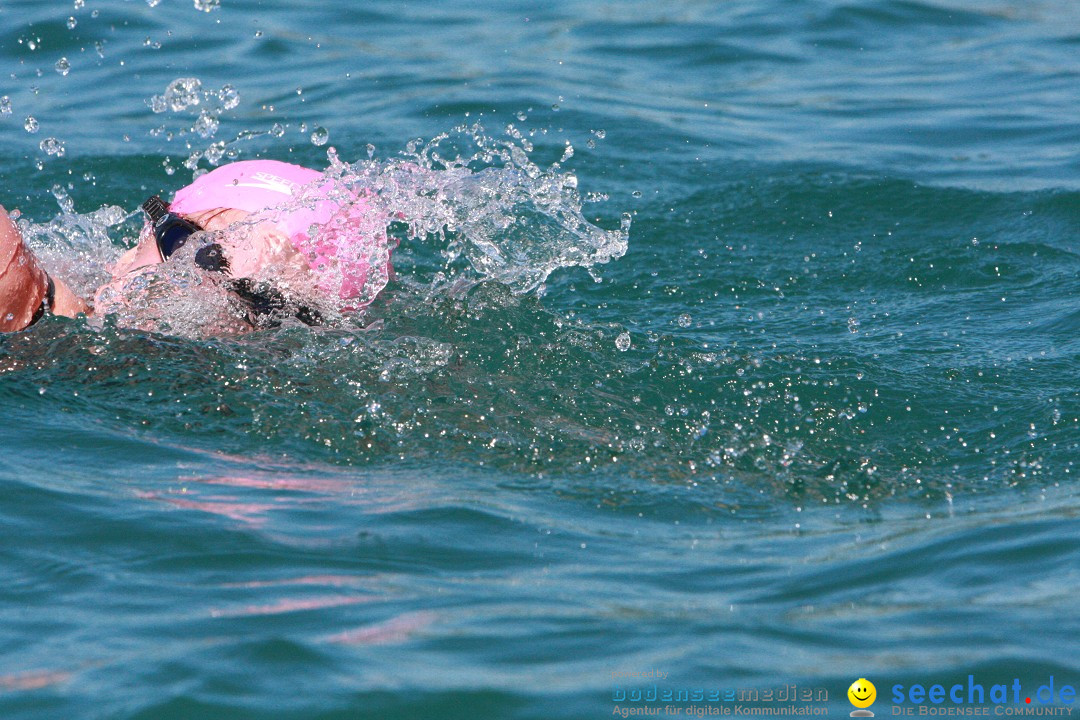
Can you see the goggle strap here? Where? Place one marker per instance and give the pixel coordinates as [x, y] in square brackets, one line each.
[155, 209]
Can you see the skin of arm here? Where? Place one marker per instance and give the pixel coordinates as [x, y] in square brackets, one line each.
[23, 282]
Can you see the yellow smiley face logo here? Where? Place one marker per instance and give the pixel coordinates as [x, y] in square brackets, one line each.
[862, 693]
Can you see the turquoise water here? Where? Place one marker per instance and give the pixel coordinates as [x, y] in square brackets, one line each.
[819, 422]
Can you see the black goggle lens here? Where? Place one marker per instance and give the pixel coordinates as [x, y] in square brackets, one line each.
[172, 235]
[171, 231]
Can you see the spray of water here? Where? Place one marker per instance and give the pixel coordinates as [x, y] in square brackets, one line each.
[472, 208]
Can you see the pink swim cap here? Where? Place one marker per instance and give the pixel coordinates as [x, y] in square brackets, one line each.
[338, 213]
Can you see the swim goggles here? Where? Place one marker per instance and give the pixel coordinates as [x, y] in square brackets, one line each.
[172, 231]
[261, 301]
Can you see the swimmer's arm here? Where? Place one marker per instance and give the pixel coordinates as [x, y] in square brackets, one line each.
[24, 283]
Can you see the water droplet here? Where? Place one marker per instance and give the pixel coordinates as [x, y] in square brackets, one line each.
[63, 66]
[258, 33]
[207, 124]
[229, 96]
[521, 116]
[52, 146]
[99, 48]
[555, 107]
[5, 105]
[31, 124]
[277, 130]
[207, 5]
[215, 152]
[181, 94]
[153, 3]
[320, 136]
[9, 317]
[370, 151]
[80, 4]
[600, 134]
[623, 341]
[636, 193]
[71, 23]
[684, 320]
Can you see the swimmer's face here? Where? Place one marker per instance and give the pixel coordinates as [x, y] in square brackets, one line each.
[862, 693]
[146, 252]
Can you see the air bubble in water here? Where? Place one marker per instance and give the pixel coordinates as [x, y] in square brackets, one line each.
[31, 124]
[80, 4]
[207, 5]
[52, 146]
[623, 341]
[370, 151]
[320, 136]
[853, 325]
[153, 3]
[5, 105]
[63, 66]
[684, 320]
[71, 23]
[277, 130]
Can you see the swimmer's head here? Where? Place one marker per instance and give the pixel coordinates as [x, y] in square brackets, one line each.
[344, 223]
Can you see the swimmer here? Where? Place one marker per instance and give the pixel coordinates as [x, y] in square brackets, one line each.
[245, 236]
